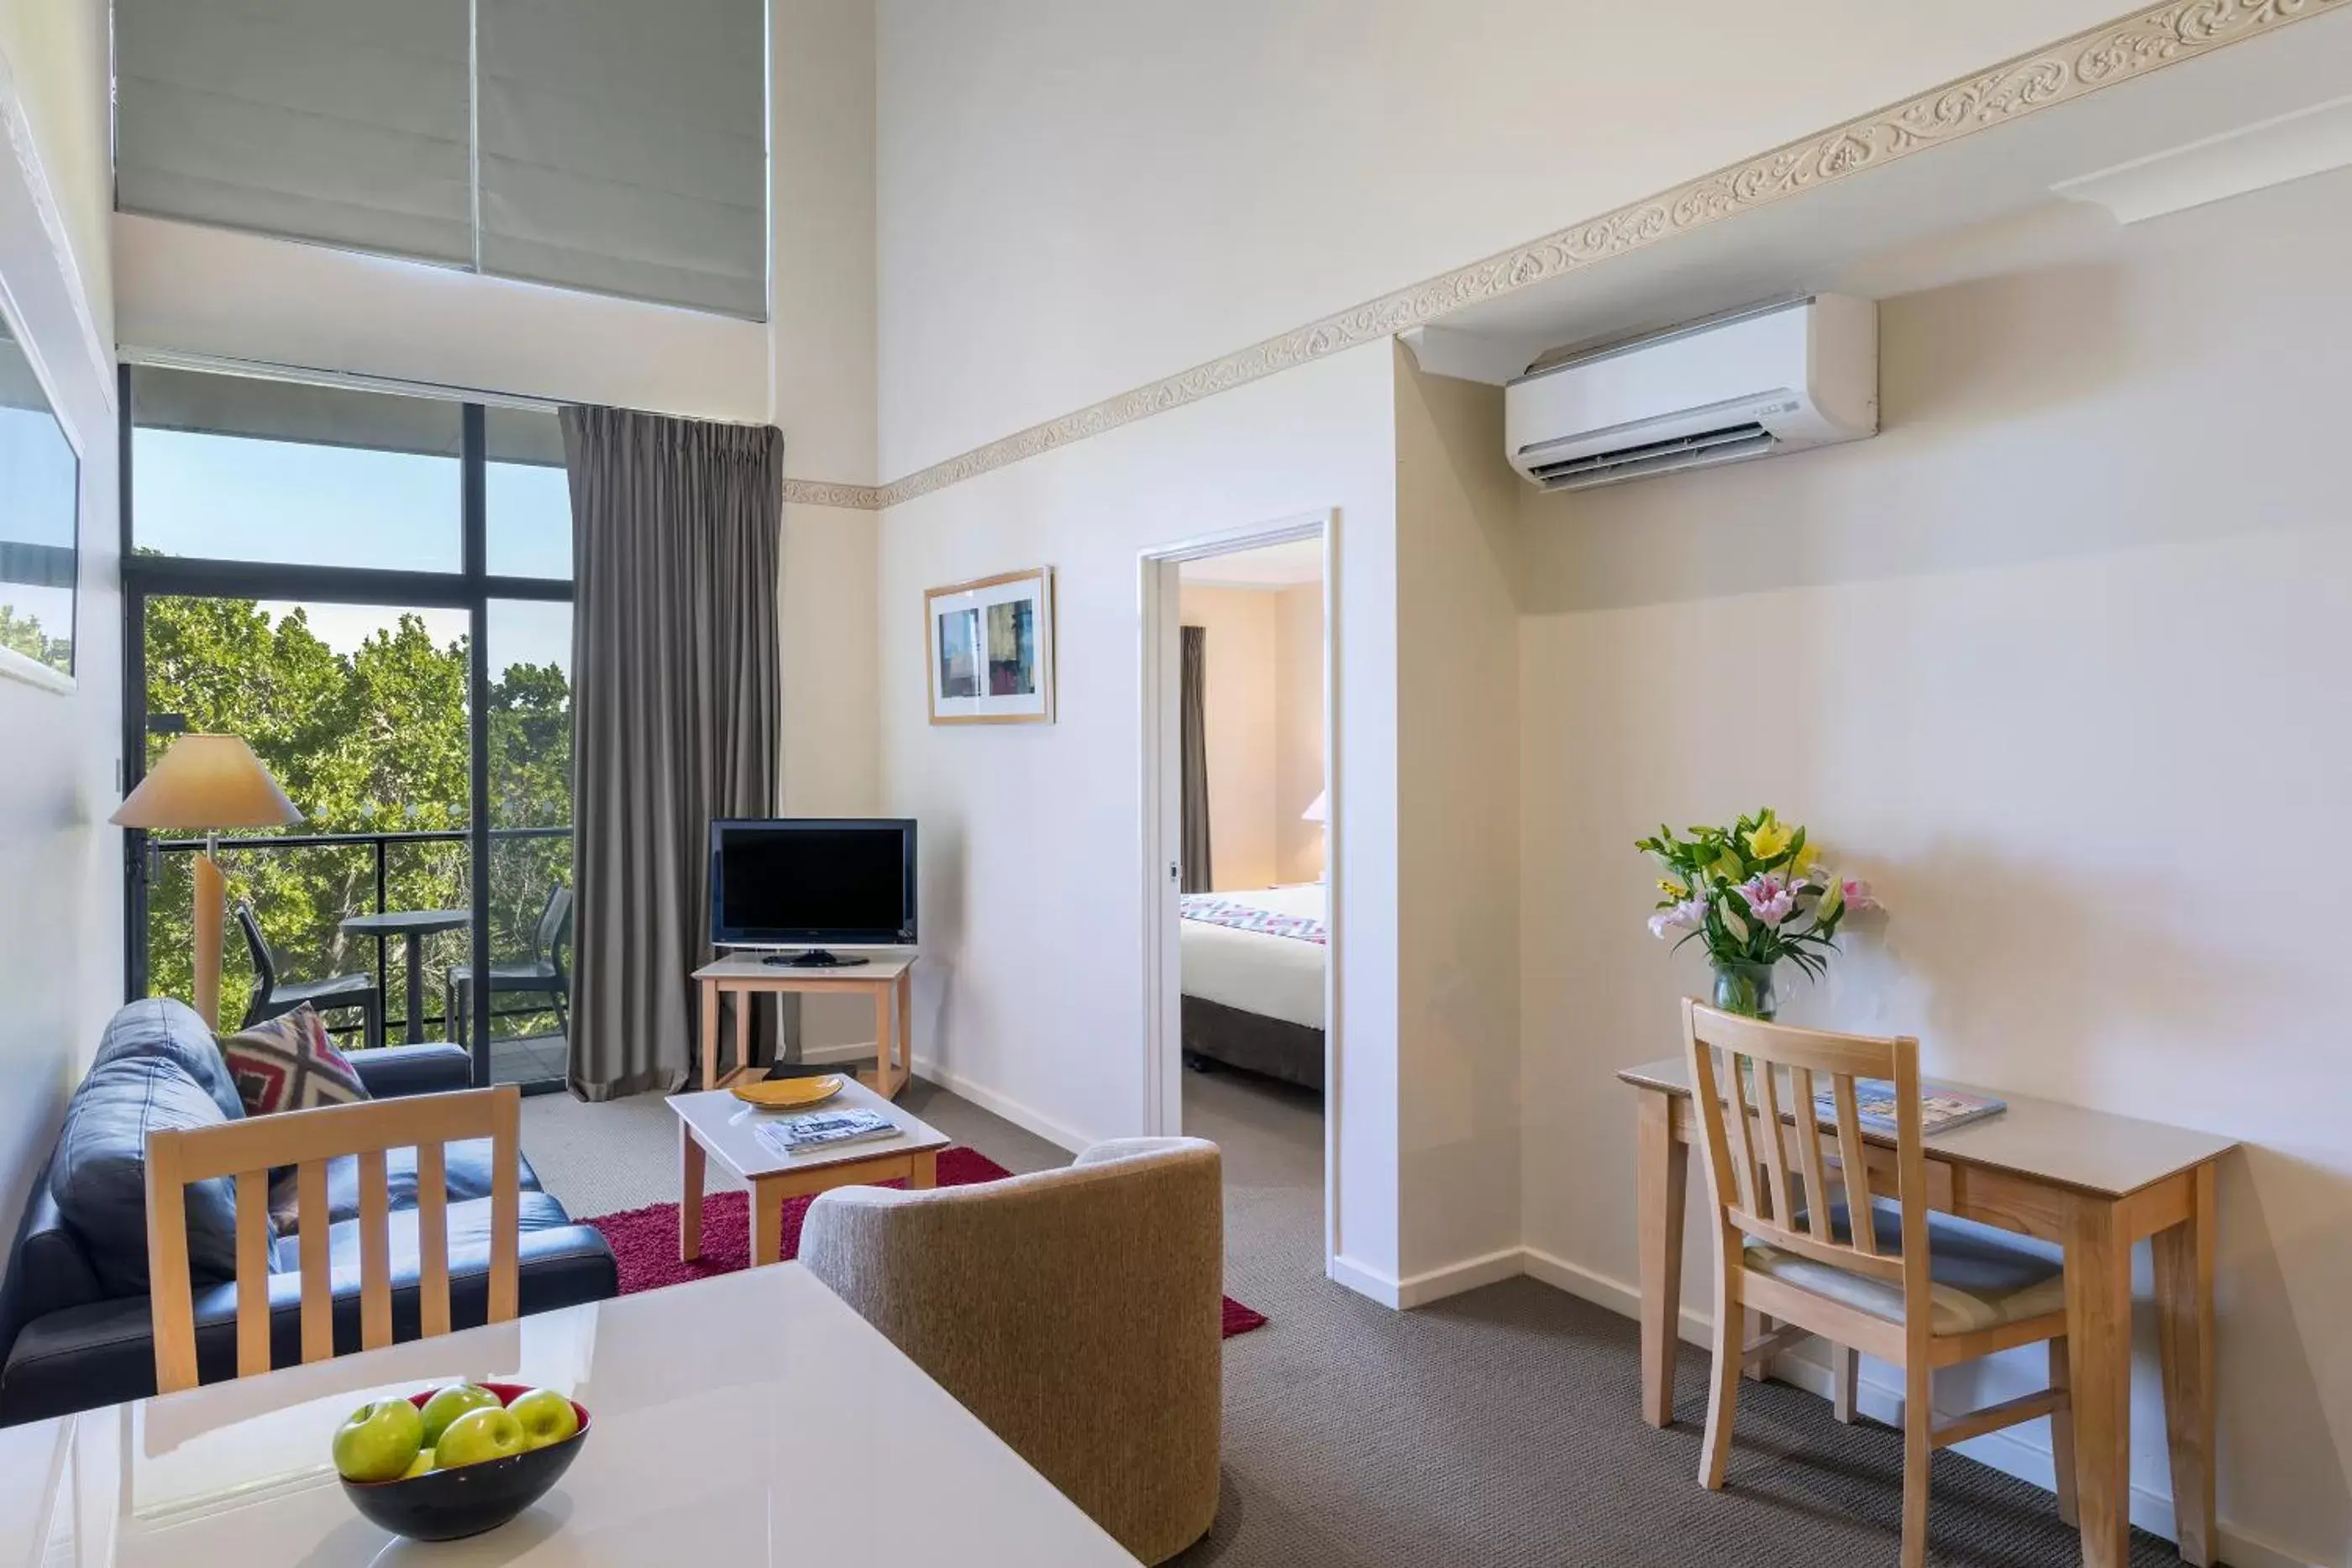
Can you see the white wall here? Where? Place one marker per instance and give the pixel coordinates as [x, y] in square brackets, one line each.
[2059, 660]
[60, 865]
[831, 734]
[1241, 713]
[1080, 196]
[1030, 996]
[1456, 662]
[1298, 731]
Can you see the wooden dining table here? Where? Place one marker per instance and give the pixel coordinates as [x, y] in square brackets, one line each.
[747, 1421]
[2094, 1184]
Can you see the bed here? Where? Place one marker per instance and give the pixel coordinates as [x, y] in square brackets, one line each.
[1254, 963]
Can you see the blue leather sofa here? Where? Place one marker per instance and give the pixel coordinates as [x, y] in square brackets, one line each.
[75, 1325]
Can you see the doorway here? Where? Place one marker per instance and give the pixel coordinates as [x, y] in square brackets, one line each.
[1241, 832]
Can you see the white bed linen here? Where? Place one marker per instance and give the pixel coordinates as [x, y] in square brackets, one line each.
[1275, 976]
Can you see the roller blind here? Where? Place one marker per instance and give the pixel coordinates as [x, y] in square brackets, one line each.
[618, 146]
[623, 148]
[339, 120]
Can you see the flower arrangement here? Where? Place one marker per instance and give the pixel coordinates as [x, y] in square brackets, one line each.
[1739, 891]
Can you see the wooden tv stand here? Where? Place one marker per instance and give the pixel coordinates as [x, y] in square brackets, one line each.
[887, 979]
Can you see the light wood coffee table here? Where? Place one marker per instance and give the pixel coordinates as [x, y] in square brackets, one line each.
[714, 1124]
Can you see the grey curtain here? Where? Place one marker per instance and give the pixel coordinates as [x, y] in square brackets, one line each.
[676, 718]
[1193, 747]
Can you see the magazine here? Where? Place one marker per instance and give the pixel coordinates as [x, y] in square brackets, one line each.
[1940, 1108]
[825, 1130]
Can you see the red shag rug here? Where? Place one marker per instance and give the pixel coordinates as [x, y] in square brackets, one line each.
[645, 1240]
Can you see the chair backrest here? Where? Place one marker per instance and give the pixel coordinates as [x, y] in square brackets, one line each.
[1115, 1395]
[1746, 1076]
[265, 962]
[248, 1150]
[554, 925]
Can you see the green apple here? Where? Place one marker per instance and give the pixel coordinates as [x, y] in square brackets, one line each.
[379, 1441]
[448, 1404]
[546, 1416]
[479, 1435]
[418, 1466]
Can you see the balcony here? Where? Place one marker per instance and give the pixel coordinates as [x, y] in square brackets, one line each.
[303, 886]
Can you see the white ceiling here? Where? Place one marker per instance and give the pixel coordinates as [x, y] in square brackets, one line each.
[1268, 567]
[1853, 236]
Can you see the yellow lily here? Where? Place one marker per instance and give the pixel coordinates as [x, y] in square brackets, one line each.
[1769, 837]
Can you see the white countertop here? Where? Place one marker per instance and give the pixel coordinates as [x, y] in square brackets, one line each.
[727, 1128]
[748, 1420]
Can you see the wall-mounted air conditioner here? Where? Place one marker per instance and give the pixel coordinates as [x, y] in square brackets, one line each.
[1749, 383]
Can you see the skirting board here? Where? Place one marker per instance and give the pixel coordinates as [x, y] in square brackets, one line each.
[2006, 1451]
[1434, 1284]
[987, 1100]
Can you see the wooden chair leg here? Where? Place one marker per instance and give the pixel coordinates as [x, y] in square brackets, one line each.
[1723, 1379]
[1918, 1423]
[1845, 1369]
[2062, 1435]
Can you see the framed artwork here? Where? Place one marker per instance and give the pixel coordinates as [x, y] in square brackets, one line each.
[990, 648]
[40, 524]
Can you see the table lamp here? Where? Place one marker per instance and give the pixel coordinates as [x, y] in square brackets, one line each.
[207, 782]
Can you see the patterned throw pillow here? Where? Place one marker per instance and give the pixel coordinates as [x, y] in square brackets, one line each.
[288, 1064]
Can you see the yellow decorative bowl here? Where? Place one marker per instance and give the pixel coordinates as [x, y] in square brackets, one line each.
[789, 1093]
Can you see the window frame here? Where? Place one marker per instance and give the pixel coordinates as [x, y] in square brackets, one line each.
[471, 588]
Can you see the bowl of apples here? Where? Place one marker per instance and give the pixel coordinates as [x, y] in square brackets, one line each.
[456, 1460]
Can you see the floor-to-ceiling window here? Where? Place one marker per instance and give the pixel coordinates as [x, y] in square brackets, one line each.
[373, 588]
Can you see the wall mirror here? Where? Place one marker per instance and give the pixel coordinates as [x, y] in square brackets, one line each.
[41, 511]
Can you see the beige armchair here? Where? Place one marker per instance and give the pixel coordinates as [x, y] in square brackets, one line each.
[1076, 1311]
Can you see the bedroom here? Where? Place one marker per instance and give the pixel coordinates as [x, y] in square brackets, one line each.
[1252, 941]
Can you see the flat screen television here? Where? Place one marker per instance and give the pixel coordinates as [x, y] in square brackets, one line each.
[813, 882]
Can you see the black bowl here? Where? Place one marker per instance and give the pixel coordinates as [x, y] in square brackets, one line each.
[448, 1505]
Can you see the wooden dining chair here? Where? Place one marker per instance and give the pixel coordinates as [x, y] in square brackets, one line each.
[248, 1150]
[1915, 1292]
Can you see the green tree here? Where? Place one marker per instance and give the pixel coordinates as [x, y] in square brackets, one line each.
[24, 634]
[374, 741]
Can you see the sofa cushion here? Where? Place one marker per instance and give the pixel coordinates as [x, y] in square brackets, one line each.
[164, 1026]
[393, 1072]
[467, 1175]
[99, 1176]
[288, 1063]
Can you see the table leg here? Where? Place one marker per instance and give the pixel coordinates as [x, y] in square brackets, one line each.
[689, 1193]
[1661, 1169]
[415, 1032]
[2184, 1324]
[744, 1002]
[711, 1034]
[886, 1083]
[923, 1170]
[2098, 1354]
[767, 1223]
[906, 1022]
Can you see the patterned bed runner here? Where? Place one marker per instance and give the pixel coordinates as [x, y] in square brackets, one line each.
[1212, 909]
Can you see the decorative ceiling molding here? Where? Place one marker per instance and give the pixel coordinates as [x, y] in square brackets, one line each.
[823, 493]
[2102, 57]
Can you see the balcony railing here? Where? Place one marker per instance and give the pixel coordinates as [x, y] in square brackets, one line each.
[304, 885]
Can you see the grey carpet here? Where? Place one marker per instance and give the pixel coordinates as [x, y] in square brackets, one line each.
[1496, 1428]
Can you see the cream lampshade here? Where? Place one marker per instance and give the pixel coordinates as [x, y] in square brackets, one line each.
[205, 783]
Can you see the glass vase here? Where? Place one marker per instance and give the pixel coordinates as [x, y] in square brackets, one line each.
[1746, 988]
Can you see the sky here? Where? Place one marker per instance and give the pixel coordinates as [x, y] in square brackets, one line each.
[234, 498]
